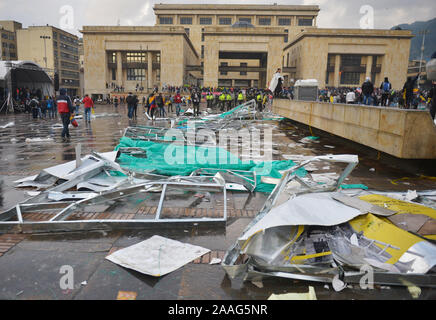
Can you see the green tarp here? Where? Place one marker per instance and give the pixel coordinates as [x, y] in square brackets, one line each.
[171, 159]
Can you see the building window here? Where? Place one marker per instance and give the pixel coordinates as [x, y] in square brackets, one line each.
[286, 36]
[225, 21]
[114, 74]
[135, 74]
[166, 20]
[55, 34]
[113, 57]
[202, 52]
[350, 78]
[265, 21]
[248, 20]
[243, 73]
[284, 21]
[352, 60]
[135, 56]
[185, 20]
[187, 31]
[69, 65]
[305, 22]
[69, 56]
[202, 34]
[205, 20]
[223, 64]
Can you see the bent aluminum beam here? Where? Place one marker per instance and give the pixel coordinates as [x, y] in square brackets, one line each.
[58, 223]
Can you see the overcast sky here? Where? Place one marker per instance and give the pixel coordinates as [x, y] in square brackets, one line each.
[334, 13]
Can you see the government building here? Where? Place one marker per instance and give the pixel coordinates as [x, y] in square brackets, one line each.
[238, 46]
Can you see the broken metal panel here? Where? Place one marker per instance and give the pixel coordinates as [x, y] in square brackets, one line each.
[287, 249]
[58, 196]
[110, 196]
[363, 206]
[235, 179]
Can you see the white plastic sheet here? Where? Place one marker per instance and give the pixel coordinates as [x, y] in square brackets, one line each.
[62, 171]
[318, 209]
[157, 256]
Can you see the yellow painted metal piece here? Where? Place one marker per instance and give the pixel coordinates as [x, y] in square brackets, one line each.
[310, 256]
[382, 230]
[399, 206]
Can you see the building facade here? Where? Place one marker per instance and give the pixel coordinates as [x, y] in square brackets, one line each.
[238, 46]
[345, 57]
[121, 59]
[55, 50]
[202, 21]
[8, 40]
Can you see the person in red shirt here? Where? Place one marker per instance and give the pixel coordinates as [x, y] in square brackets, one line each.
[177, 102]
[87, 104]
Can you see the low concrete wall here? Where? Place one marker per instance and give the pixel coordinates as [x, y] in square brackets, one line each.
[407, 134]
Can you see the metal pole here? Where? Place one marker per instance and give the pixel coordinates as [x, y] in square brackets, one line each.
[422, 54]
[45, 49]
[140, 54]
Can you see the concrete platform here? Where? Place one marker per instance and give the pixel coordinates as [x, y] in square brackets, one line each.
[403, 133]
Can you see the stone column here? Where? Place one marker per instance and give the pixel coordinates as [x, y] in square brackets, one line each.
[119, 69]
[149, 71]
[211, 57]
[368, 67]
[337, 77]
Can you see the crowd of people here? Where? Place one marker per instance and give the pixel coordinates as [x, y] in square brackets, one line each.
[172, 99]
[409, 97]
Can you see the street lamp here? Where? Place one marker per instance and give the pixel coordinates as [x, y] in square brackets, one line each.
[45, 49]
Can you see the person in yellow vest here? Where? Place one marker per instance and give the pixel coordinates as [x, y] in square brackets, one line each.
[265, 100]
[209, 100]
[259, 101]
[240, 98]
[222, 100]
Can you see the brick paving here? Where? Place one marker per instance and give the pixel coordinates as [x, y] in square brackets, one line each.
[7, 241]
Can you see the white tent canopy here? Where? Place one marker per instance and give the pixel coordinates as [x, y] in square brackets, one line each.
[27, 74]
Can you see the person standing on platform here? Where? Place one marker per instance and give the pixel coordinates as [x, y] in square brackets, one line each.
[367, 91]
[386, 92]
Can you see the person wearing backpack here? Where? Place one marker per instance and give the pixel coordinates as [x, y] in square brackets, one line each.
[385, 89]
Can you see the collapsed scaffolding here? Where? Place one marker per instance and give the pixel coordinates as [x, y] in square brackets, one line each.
[306, 230]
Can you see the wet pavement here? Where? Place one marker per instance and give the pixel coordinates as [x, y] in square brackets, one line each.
[30, 264]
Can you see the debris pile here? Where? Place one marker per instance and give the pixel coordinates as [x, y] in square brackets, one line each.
[338, 237]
